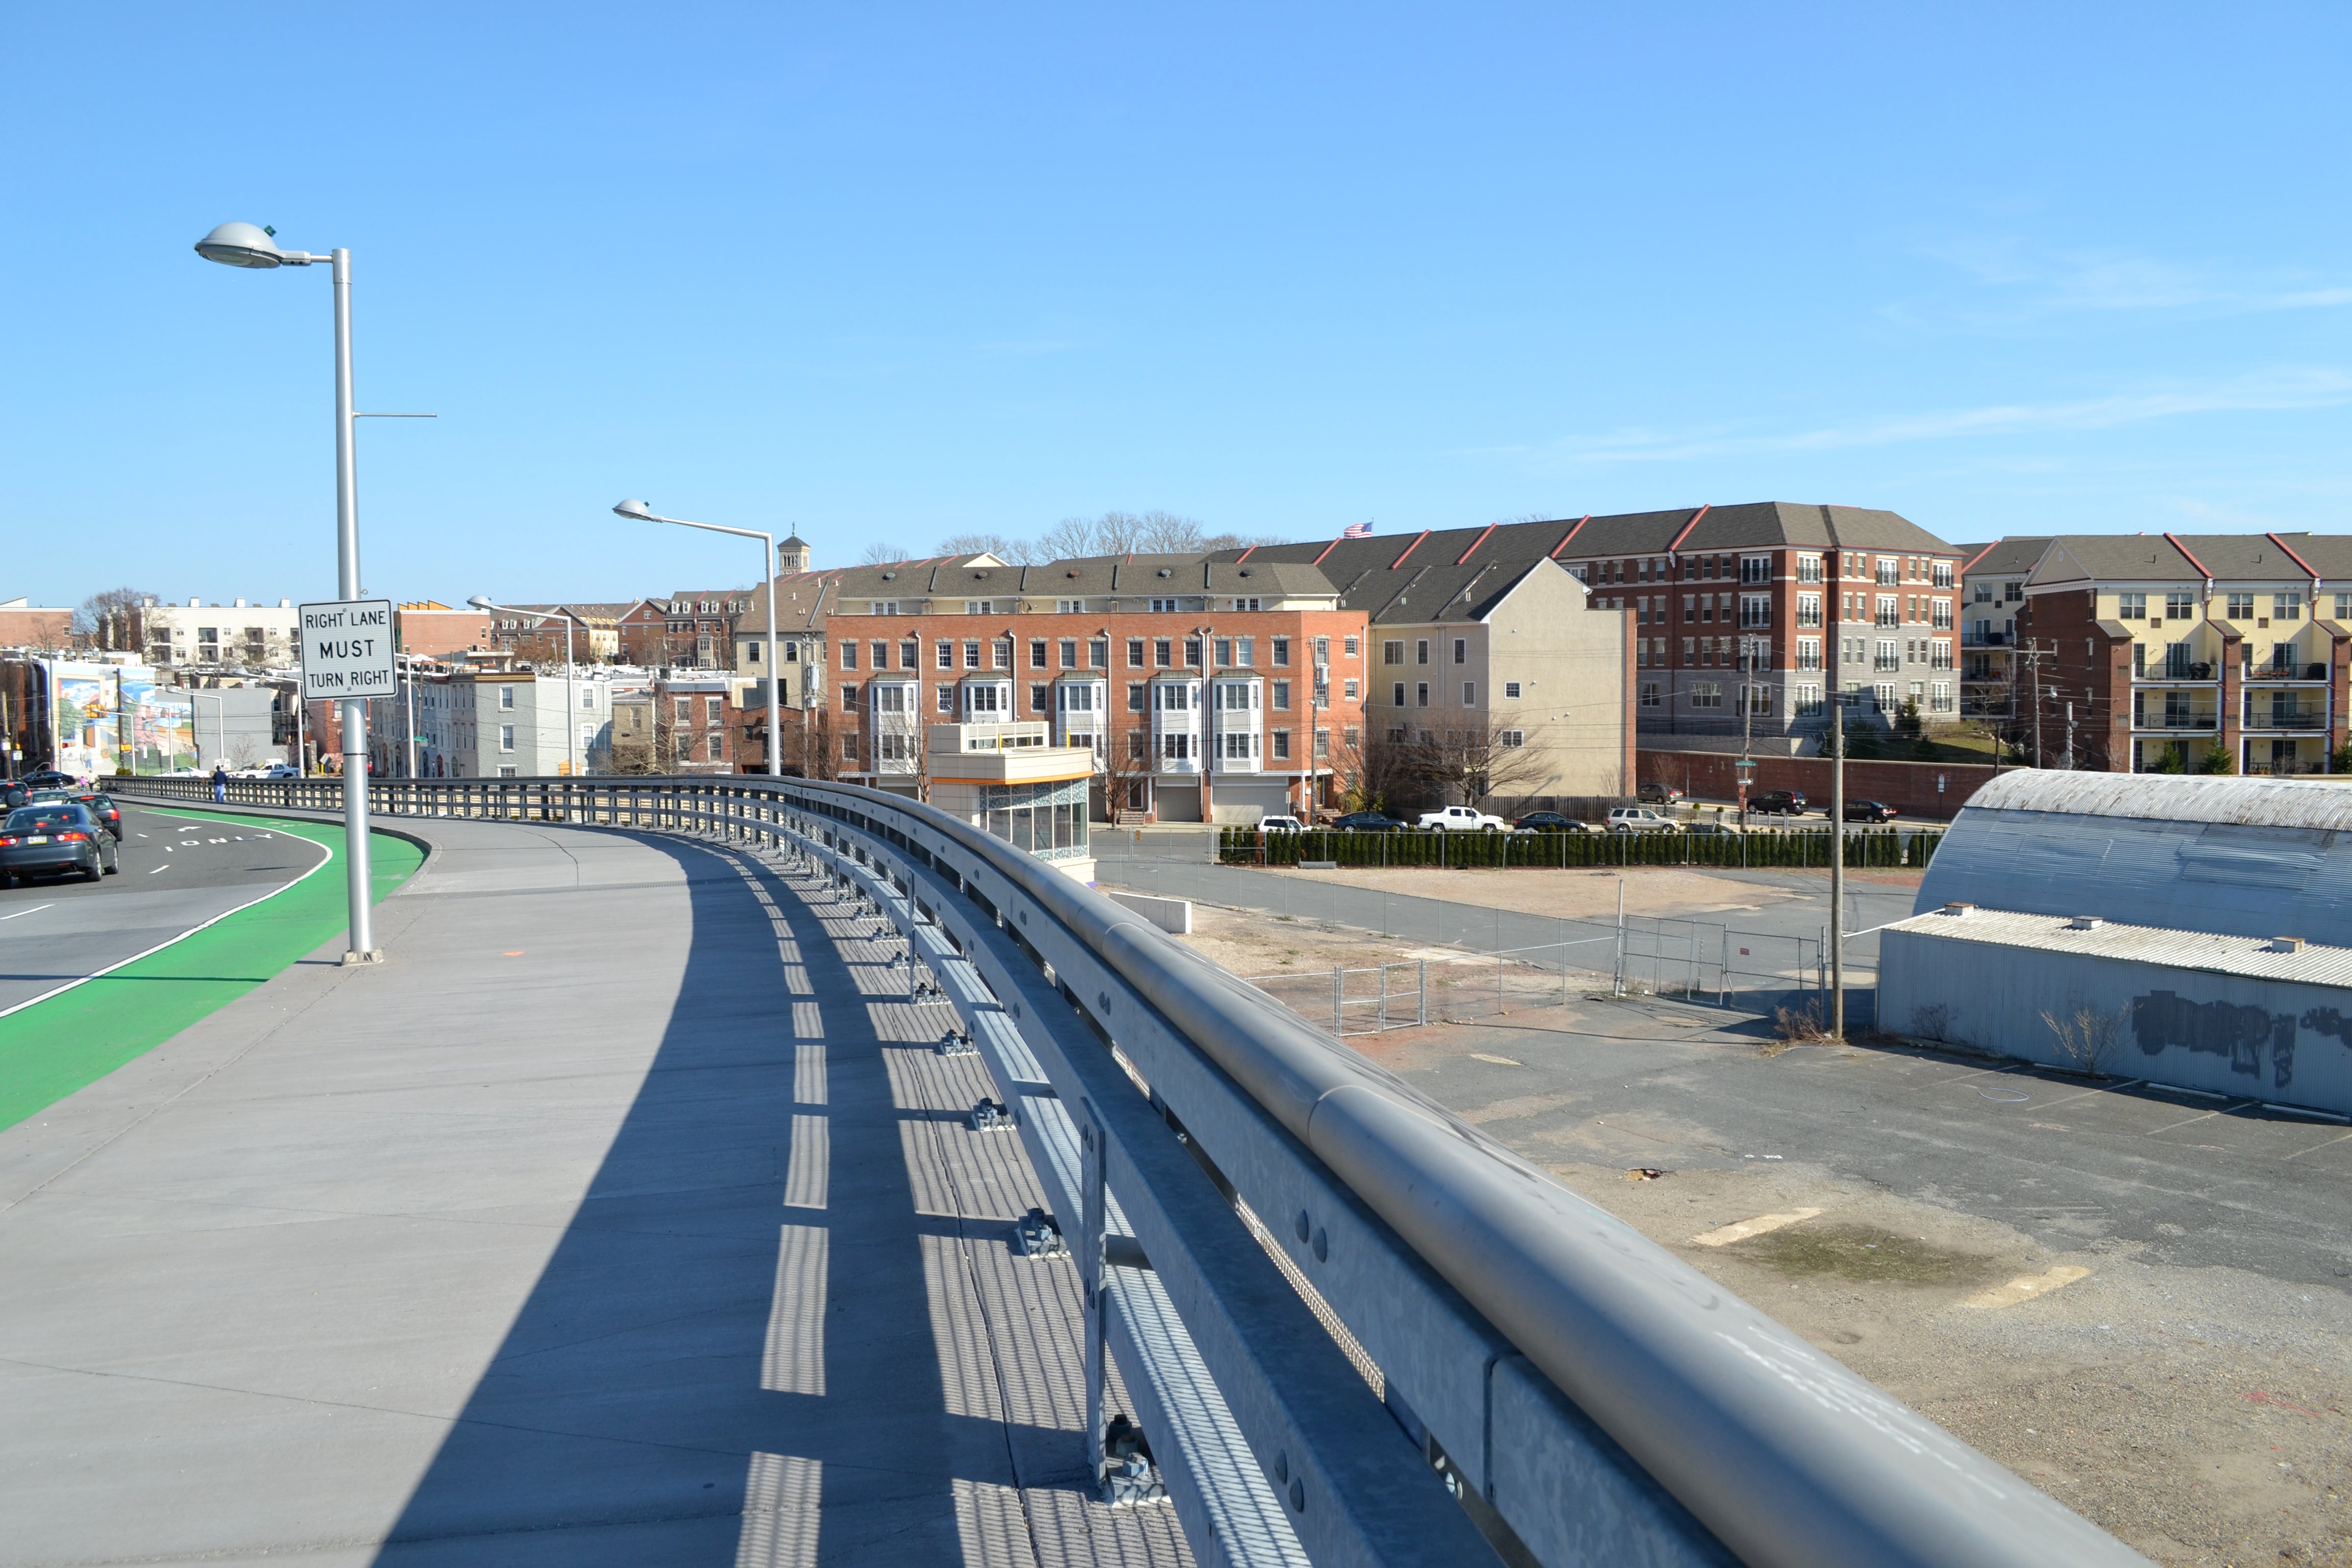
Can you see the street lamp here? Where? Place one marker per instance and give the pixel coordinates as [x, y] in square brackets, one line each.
[243, 245]
[571, 720]
[639, 511]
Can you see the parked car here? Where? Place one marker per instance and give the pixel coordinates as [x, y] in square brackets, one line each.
[1639, 819]
[281, 770]
[1714, 828]
[1657, 792]
[1461, 819]
[1779, 801]
[52, 840]
[1549, 822]
[1366, 822]
[101, 806]
[1870, 811]
[1267, 824]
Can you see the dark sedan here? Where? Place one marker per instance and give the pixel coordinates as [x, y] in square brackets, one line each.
[1870, 811]
[1778, 803]
[1366, 822]
[54, 841]
[101, 806]
[1549, 822]
[49, 778]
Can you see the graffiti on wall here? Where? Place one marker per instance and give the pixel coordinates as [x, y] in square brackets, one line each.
[2162, 1021]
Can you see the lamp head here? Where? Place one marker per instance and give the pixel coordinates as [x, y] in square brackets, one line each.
[638, 509]
[481, 602]
[241, 245]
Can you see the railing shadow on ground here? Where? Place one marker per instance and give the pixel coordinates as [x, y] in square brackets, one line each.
[701, 1374]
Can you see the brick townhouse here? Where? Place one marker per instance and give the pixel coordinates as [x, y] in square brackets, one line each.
[1208, 691]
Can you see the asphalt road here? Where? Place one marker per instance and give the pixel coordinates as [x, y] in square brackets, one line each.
[2194, 1181]
[177, 872]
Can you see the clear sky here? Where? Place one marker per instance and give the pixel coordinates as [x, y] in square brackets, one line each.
[888, 272]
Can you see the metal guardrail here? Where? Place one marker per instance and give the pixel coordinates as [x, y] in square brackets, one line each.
[1583, 1395]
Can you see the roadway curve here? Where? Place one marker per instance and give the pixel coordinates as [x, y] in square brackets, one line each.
[178, 871]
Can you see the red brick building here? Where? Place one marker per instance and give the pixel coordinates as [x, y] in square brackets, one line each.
[1208, 691]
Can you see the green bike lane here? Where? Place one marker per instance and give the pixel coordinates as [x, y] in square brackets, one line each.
[79, 1034]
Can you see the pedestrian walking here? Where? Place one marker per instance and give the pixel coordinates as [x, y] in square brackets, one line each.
[220, 782]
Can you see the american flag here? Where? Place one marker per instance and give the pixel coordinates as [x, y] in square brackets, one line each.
[1357, 531]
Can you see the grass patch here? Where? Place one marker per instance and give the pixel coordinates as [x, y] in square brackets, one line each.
[1868, 1255]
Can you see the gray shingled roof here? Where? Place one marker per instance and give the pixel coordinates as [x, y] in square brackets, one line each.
[2113, 557]
[1458, 573]
[2002, 557]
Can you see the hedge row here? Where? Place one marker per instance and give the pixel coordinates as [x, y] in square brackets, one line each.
[1865, 848]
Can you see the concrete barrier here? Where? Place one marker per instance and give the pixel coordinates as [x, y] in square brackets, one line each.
[1173, 916]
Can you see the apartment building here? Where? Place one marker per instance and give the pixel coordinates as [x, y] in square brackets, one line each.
[250, 637]
[472, 723]
[2145, 652]
[1482, 658]
[428, 628]
[1208, 691]
[1993, 592]
[24, 623]
[1746, 615]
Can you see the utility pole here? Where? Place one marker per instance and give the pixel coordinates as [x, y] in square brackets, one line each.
[1837, 867]
[1747, 726]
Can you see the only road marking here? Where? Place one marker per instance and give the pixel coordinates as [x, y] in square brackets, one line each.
[2026, 1287]
[1747, 1228]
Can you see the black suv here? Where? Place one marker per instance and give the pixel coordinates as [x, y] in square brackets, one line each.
[1779, 803]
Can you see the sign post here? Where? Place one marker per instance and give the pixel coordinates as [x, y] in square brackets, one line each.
[347, 657]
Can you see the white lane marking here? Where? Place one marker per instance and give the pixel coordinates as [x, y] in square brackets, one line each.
[37, 909]
[1747, 1228]
[325, 856]
[2026, 1287]
[164, 866]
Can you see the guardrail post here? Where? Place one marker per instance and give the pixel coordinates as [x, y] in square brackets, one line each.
[1092, 1226]
[1339, 993]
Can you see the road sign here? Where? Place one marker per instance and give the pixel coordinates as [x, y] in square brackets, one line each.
[347, 650]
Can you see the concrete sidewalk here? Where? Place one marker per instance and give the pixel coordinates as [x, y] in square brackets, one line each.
[625, 1216]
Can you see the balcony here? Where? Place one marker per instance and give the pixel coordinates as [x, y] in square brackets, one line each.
[2177, 722]
[2286, 721]
[2272, 674]
[2179, 672]
[1971, 637]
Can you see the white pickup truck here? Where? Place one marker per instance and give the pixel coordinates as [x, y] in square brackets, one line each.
[1463, 819]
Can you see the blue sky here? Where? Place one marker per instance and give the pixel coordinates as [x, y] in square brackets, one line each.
[887, 273]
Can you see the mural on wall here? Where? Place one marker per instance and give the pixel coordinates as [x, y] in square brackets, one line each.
[89, 706]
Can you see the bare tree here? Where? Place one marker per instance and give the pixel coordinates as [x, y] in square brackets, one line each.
[1473, 761]
[1008, 549]
[1126, 763]
[111, 614]
[2089, 1037]
[1240, 541]
[882, 552]
[1388, 774]
[1166, 533]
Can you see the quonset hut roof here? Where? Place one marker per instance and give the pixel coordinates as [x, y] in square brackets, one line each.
[2241, 856]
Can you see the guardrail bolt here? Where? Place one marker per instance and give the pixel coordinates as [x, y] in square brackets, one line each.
[1128, 1475]
[1039, 1237]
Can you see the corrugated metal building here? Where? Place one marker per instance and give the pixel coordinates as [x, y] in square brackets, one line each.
[2248, 856]
[2181, 886]
[2230, 1014]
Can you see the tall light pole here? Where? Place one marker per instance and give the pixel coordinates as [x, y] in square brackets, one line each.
[571, 719]
[639, 511]
[243, 244]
